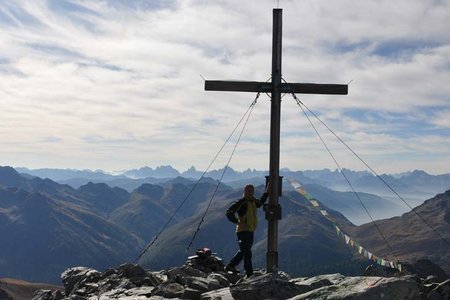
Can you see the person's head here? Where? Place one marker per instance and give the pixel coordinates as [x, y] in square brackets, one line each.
[249, 190]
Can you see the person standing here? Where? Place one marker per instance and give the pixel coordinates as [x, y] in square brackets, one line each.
[244, 214]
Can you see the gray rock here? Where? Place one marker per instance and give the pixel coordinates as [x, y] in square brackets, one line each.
[131, 271]
[184, 271]
[268, 286]
[46, 295]
[169, 290]
[139, 291]
[197, 283]
[221, 279]
[190, 293]
[72, 276]
[160, 276]
[76, 297]
[137, 275]
[221, 294]
[213, 284]
[131, 282]
[232, 277]
[112, 294]
[318, 281]
[367, 288]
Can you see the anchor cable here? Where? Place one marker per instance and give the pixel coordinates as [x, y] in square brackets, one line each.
[345, 176]
[198, 181]
[221, 177]
[372, 170]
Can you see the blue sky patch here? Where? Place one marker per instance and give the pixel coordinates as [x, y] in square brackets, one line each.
[66, 6]
[14, 15]
[54, 50]
[403, 49]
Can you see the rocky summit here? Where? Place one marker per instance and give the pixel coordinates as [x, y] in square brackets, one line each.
[203, 278]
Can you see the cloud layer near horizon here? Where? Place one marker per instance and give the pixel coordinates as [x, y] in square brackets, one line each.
[106, 84]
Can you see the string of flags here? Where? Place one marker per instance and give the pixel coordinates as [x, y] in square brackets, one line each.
[348, 240]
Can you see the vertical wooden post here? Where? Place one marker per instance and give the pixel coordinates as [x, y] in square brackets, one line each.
[276, 87]
[274, 166]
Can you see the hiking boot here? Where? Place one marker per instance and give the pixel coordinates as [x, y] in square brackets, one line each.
[231, 268]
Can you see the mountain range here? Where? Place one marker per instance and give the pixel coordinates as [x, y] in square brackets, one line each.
[46, 226]
[413, 186]
[416, 184]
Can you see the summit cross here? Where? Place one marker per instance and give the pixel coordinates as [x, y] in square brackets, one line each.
[275, 88]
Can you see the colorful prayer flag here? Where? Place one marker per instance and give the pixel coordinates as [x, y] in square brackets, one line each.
[337, 230]
[295, 184]
[380, 261]
[314, 202]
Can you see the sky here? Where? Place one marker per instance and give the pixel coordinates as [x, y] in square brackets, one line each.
[116, 84]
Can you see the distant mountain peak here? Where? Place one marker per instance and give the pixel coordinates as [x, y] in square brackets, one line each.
[159, 172]
[97, 186]
[419, 172]
[8, 171]
[10, 177]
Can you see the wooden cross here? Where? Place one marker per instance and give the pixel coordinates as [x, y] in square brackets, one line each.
[276, 88]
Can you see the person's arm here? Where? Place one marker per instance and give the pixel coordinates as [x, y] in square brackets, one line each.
[263, 197]
[231, 211]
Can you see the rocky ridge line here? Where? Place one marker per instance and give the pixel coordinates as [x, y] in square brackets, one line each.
[203, 279]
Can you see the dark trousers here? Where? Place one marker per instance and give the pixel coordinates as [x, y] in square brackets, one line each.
[245, 240]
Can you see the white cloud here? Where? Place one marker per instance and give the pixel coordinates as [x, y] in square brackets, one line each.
[114, 87]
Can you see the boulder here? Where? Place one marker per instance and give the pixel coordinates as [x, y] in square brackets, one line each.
[232, 277]
[137, 275]
[73, 276]
[184, 271]
[46, 295]
[190, 293]
[221, 279]
[268, 286]
[130, 271]
[221, 294]
[317, 282]
[132, 282]
[139, 291]
[198, 283]
[367, 288]
[169, 290]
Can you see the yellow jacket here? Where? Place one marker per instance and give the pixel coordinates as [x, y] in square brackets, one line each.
[247, 218]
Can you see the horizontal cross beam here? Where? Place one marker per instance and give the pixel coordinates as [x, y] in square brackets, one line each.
[266, 87]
